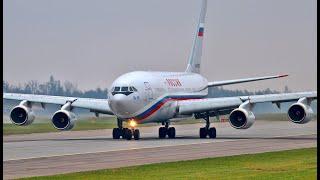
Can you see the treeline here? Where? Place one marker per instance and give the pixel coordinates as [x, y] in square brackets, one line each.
[58, 88]
[54, 87]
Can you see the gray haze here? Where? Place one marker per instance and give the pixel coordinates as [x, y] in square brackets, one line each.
[91, 42]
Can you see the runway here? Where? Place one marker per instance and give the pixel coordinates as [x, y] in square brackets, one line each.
[56, 153]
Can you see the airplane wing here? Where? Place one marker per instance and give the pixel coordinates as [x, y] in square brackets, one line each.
[225, 105]
[94, 105]
[235, 81]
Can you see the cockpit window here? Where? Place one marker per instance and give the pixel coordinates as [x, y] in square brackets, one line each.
[116, 89]
[134, 89]
[123, 90]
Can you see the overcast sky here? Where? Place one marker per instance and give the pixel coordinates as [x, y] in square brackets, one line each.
[92, 42]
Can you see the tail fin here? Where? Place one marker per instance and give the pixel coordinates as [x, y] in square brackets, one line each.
[195, 56]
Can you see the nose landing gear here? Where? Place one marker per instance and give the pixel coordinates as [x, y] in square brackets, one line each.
[164, 131]
[125, 133]
[207, 131]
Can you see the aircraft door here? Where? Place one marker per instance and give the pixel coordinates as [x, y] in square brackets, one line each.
[148, 90]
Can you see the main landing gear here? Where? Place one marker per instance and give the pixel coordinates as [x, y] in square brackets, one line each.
[125, 133]
[207, 131]
[166, 130]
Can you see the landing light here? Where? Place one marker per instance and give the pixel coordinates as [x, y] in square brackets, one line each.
[132, 123]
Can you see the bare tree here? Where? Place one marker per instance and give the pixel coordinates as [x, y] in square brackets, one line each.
[69, 87]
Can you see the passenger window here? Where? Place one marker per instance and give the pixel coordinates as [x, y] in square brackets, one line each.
[124, 89]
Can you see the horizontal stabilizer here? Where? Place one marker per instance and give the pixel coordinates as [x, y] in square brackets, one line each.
[236, 81]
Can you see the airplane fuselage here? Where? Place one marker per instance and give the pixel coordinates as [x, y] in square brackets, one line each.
[152, 96]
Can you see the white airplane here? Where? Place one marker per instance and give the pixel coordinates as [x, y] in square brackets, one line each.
[145, 97]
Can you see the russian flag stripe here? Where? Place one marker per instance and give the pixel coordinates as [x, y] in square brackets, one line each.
[201, 31]
[159, 104]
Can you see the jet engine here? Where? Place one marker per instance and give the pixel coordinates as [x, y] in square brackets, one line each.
[22, 115]
[300, 112]
[242, 117]
[64, 119]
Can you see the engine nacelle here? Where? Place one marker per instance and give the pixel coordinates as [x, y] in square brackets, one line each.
[300, 113]
[22, 115]
[241, 118]
[63, 120]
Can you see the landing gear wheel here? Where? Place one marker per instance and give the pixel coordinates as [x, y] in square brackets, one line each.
[212, 132]
[123, 134]
[162, 132]
[116, 133]
[136, 134]
[203, 132]
[171, 132]
[128, 134]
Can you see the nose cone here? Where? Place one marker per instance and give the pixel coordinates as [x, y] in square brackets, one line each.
[120, 105]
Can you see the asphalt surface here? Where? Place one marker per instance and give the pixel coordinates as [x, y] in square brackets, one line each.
[73, 151]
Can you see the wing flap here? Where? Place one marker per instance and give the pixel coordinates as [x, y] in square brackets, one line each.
[188, 107]
[285, 97]
[38, 98]
[95, 105]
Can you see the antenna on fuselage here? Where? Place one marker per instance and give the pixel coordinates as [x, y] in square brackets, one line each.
[195, 56]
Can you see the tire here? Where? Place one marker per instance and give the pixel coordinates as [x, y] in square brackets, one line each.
[162, 132]
[136, 134]
[128, 134]
[123, 132]
[171, 132]
[116, 133]
[212, 132]
[203, 132]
